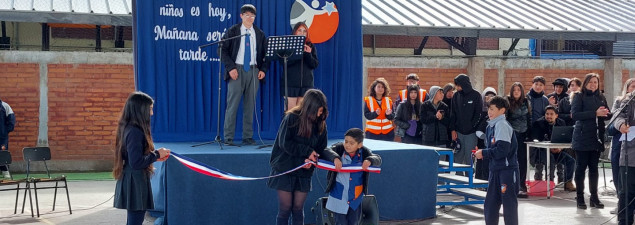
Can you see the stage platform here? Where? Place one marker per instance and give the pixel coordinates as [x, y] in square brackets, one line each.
[405, 189]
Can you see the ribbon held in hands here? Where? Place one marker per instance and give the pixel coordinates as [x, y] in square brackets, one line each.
[213, 172]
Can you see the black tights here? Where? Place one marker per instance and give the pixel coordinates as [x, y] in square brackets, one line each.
[286, 209]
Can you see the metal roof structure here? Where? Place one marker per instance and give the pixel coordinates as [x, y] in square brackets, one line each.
[98, 12]
[602, 20]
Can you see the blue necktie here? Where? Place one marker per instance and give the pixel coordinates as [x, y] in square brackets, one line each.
[247, 56]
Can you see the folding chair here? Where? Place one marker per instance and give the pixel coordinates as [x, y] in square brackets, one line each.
[42, 154]
[5, 160]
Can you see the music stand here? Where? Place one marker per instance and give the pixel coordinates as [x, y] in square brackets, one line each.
[283, 48]
[220, 51]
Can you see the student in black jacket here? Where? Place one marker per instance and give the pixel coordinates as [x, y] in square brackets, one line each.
[300, 70]
[244, 60]
[560, 86]
[301, 137]
[435, 119]
[519, 117]
[408, 117]
[564, 105]
[465, 117]
[7, 124]
[589, 110]
[541, 131]
[481, 170]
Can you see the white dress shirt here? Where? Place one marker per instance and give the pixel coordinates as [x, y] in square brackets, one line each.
[241, 51]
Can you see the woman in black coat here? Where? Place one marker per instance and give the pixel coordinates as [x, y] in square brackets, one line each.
[589, 110]
[134, 155]
[302, 136]
[300, 71]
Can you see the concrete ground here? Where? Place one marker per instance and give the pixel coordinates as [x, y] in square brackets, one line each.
[92, 204]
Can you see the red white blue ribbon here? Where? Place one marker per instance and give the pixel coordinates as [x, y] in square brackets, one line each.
[213, 172]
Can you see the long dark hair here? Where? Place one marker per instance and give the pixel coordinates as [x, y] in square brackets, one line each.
[297, 26]
[381, 81]
[136, 112]
[307, 110]
[513, 102]
[417, 104]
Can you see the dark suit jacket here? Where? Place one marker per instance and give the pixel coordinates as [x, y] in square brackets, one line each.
[230, 49]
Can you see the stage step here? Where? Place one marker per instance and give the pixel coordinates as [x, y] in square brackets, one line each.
[460, 179]
[469, 192]
[455, 165]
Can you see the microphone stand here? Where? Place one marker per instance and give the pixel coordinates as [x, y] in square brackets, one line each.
[220, 55]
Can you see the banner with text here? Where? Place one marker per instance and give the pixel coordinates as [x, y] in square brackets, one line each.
[183, 79]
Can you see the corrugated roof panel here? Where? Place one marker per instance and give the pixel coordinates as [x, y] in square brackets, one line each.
[466, 18]
[579, 14]
[100, 6]
[545, 15]
[119, 7]
[42, 5]
[80, 6]
[5, 4]
[61, 5]
[412, 10]
[23, 5]
[443, 19]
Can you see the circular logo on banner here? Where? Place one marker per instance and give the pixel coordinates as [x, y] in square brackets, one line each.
[321, 16]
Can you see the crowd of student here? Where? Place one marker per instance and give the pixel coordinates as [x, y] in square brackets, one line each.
[456, 116]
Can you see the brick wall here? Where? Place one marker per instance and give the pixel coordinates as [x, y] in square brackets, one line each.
[20, 88]
[85, 102]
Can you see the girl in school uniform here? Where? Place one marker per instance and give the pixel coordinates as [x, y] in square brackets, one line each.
[134, 155]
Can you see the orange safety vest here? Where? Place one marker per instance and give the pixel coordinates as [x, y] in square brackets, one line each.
[404, 95]
[379, 125]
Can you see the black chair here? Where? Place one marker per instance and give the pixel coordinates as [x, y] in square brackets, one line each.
[5, 160]
[42, 154]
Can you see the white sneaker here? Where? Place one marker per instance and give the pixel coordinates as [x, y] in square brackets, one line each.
[6, 174]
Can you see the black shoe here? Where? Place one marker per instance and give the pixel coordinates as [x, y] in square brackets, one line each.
[594, 201]
[229, 141]
[249, 141]
[522, 194]
[538, 176]
[580, 201]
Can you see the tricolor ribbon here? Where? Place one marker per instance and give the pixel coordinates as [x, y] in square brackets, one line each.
[213, 172]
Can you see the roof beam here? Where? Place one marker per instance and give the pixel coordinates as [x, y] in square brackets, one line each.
[419, 50]
[69, 18]
[511, 48]
[467, 45]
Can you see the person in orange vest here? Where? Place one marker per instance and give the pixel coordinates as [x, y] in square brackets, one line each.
[378, 111]
[411, 79]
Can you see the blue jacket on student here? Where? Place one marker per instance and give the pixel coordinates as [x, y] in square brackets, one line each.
[501, 145]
